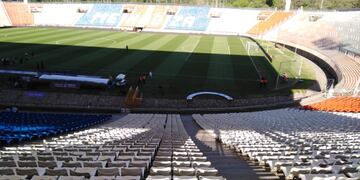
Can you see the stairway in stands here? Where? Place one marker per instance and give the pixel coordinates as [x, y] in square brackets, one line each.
[231, 165]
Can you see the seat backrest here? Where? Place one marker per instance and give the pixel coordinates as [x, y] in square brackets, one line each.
[132, 171]
[108, 172]
[27, 158]
[117, 164]
[46, 158]
[26, 171]
[7, 164]
[27, 163]
[56, 172]
[48, 164]
[64, 158]
[139, 164]
[93, 164]
[84, 174]
[6, 171]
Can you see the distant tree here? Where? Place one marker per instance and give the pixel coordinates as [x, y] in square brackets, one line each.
[279, 4]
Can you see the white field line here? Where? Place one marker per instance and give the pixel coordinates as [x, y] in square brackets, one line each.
[252, 61]
[190, 53]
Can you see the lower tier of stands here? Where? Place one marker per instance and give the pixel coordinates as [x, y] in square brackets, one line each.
[16, 126]
[136, 147]
[292, 142]
[337, 104]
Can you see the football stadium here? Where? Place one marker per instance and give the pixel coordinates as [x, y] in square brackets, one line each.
[180, 90]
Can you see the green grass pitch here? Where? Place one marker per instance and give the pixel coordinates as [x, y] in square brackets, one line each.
[180, 63]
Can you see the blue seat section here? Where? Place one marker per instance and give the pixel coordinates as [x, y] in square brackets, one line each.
[190, 18]
[15, 127]
[102, 15]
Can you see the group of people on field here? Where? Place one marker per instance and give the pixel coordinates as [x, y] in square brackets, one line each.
[263, 81]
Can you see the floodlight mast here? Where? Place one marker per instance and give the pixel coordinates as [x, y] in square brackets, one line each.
[322, 3]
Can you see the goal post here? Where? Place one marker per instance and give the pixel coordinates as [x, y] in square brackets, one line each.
[251, 47]
[288, 73]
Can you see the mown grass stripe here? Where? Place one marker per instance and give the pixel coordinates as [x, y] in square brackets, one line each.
[32, 37]
[19, 31]
[151, 62]
[197, 65]
[38, 48]
[93, 57]
[134, 55]
[220, 73]
[53, 54]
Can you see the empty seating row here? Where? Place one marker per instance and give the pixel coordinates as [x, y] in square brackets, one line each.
[138, 146]
[273, 20]
[337, 104]
[297, 143]
[16, 126]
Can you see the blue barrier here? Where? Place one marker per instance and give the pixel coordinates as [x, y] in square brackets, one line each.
[190, 18]
[106, 15]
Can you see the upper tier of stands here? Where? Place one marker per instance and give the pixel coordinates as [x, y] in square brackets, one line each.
[156, 16]
[231, 21]
[297, 143]
[19, 14]
[136, 147]
[321, 38]
[133, 17]
[16, 127]
[337, 104]
[58, 14]
[190, 19]
[270, 22]
[347, 29]
[101, 15]
[4, 19]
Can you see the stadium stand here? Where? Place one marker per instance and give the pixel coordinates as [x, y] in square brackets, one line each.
[337, 104]
[190, 19]
[224, 22]
[19, 14]
[138, 146]
[303, 33]
[275, 19]
[135, 13]
[297, 143]
[58, 14]
[4, 19]
[101, 15]
[157, 16]
[347, 28]
[16, 126]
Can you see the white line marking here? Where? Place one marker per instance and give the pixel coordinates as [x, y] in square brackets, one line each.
[257, 70]
[190, 53]
[104, 39]
[279, 51]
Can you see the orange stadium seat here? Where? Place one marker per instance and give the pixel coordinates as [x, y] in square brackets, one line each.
[337, 104]
[19, 14]
[275, 19]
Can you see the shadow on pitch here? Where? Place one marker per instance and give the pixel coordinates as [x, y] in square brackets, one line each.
[175, 74]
